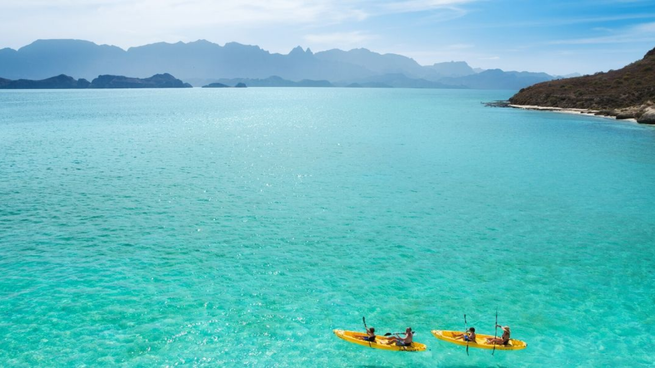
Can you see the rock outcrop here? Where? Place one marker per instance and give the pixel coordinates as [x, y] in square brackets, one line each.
[104, 81]
[156, 81]
[648, 116]
[221, 85]
[216, 85]
[625, 93]
[59, 82]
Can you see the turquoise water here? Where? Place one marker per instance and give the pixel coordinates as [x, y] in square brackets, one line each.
[208, 227]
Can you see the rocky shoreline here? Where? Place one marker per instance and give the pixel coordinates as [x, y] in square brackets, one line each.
[637, 114]
[627, 93]
[641, 115]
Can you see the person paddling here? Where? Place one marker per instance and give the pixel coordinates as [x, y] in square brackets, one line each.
[503, 340]
[468, 336]
[370, 334]
[406, 341]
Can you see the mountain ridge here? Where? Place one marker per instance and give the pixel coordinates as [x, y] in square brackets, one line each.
[201, 62]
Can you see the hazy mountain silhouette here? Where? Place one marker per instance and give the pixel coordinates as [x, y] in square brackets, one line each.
[45, 58]
[451, 69]
[376, 63]
[202, 62]
[498, 79]
[399, 80]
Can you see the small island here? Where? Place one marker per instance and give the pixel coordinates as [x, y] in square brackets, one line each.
[103, 81]
[627, 93]
[221, 85]
[59, 82]
[216, 85]
[156, 81]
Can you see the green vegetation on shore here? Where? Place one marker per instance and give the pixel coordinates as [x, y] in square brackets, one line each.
[625, 93]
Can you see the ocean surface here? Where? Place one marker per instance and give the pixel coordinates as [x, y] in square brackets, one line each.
[238, 227]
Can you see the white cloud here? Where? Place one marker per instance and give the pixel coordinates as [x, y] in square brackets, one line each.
[135, 22]
[131, 22]
[564, 21]
[645, 27]
[251, 12]
[644, 32]
[423, 5]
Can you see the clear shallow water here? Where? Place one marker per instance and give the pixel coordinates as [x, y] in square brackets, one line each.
[166, 227]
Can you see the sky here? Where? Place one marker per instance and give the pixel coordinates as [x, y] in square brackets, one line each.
[554, 36]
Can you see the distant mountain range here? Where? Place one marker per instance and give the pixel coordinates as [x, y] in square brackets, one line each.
[202, 62]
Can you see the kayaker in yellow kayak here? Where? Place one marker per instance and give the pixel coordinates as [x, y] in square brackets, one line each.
[370, 334]
[406, 341]
[468, 336]
[503, 340]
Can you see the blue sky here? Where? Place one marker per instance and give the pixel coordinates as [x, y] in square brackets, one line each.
[555, 36]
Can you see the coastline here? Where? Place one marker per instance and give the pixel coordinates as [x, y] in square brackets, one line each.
[573, 111]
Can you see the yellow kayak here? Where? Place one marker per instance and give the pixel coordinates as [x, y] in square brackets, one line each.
[480, 339]
[381, 342]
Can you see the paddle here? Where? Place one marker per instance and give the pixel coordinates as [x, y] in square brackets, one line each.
[386, 334]
[396, 333]
[466, 329]
[495, 332]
